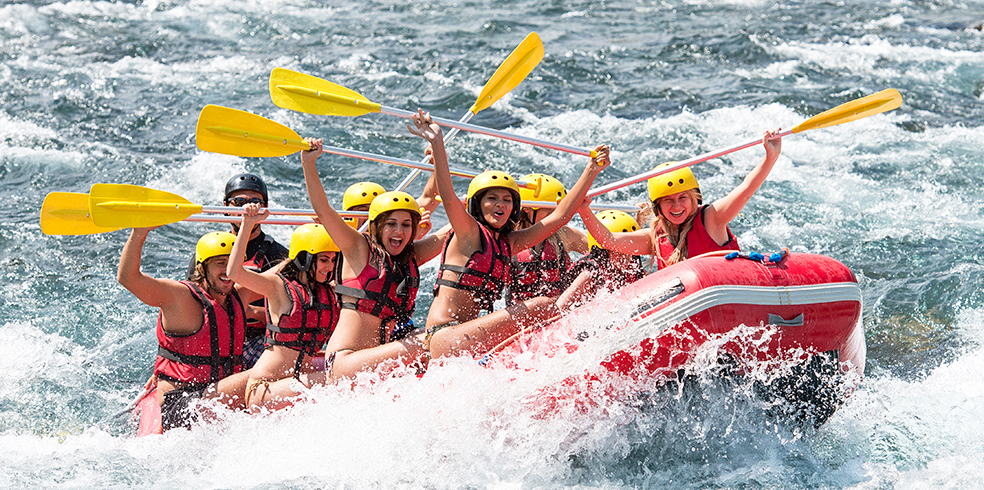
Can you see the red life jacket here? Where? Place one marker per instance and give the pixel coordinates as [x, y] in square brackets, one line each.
[262, 253]
[598, 260]
[486, 272]
[309, 323]
[538, 271]
[698, 242]
[388, 294]
[210, 354]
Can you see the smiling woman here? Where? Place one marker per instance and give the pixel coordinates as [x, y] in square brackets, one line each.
[301, 306]
[682, 227]
[378, 277]
[477, 255]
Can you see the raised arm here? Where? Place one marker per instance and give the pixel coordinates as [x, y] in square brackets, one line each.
[150, 290]
[265, 284]
[428, 201]
[723, 210]
[349, 240]
[430, 246]
[464, 225]
[429, 196]
[633, 243]
[574, 240]
[527, 237]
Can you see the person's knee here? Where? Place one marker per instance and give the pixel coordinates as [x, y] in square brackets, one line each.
[541, 307]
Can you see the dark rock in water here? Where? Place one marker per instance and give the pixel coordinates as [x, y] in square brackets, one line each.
[959, 26]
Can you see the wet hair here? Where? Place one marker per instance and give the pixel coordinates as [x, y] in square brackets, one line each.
[526, 221]
[527, 218]
[290, 269]
[198, 276]
[677, 235]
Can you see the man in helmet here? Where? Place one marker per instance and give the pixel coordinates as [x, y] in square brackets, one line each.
[262, 253]
[200, 328]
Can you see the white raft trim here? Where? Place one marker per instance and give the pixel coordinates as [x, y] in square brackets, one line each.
[650, 316]
[713, 296]
[647, 315]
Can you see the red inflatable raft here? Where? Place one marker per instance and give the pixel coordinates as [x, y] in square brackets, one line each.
[800, 313]
[795, 313]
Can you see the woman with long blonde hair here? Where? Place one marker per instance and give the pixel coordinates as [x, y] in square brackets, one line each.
[683, 226]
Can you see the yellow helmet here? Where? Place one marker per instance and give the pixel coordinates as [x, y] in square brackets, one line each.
[550, 189]
[392, 201]
[311, 238]
[214, 244]
[616, 222]
[670, 183]
[491, 179]
[361, 193]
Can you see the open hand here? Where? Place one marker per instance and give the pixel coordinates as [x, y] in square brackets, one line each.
[426, 128]
[425, 224]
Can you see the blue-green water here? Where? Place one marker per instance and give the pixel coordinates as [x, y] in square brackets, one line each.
[110, 92]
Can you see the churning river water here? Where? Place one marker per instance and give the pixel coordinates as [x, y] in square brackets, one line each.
[110, 92]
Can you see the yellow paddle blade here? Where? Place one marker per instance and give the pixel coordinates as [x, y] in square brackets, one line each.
[134, 206]
[512, 71]
[312, 95]
[883, 101]
[67, 213]
[234, 132]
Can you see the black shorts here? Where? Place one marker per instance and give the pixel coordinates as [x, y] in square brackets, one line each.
[176, 410]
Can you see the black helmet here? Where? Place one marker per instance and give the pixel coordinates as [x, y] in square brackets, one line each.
[246, 182]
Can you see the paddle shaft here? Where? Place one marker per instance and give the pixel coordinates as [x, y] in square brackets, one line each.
[491, 132]
[209, 218]
[877, 103]
[392, 111]
[129, 408]
[292, 143]
[678, 165]
[279, 211]
[301, 214]
[394, 161]
[163, 207]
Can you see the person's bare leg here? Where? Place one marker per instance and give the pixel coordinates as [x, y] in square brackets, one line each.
[482, 334]
[580, 291]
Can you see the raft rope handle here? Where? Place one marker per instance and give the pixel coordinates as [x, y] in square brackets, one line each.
[774, 257]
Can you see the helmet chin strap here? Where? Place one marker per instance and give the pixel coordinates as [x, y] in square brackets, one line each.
[303, 264]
